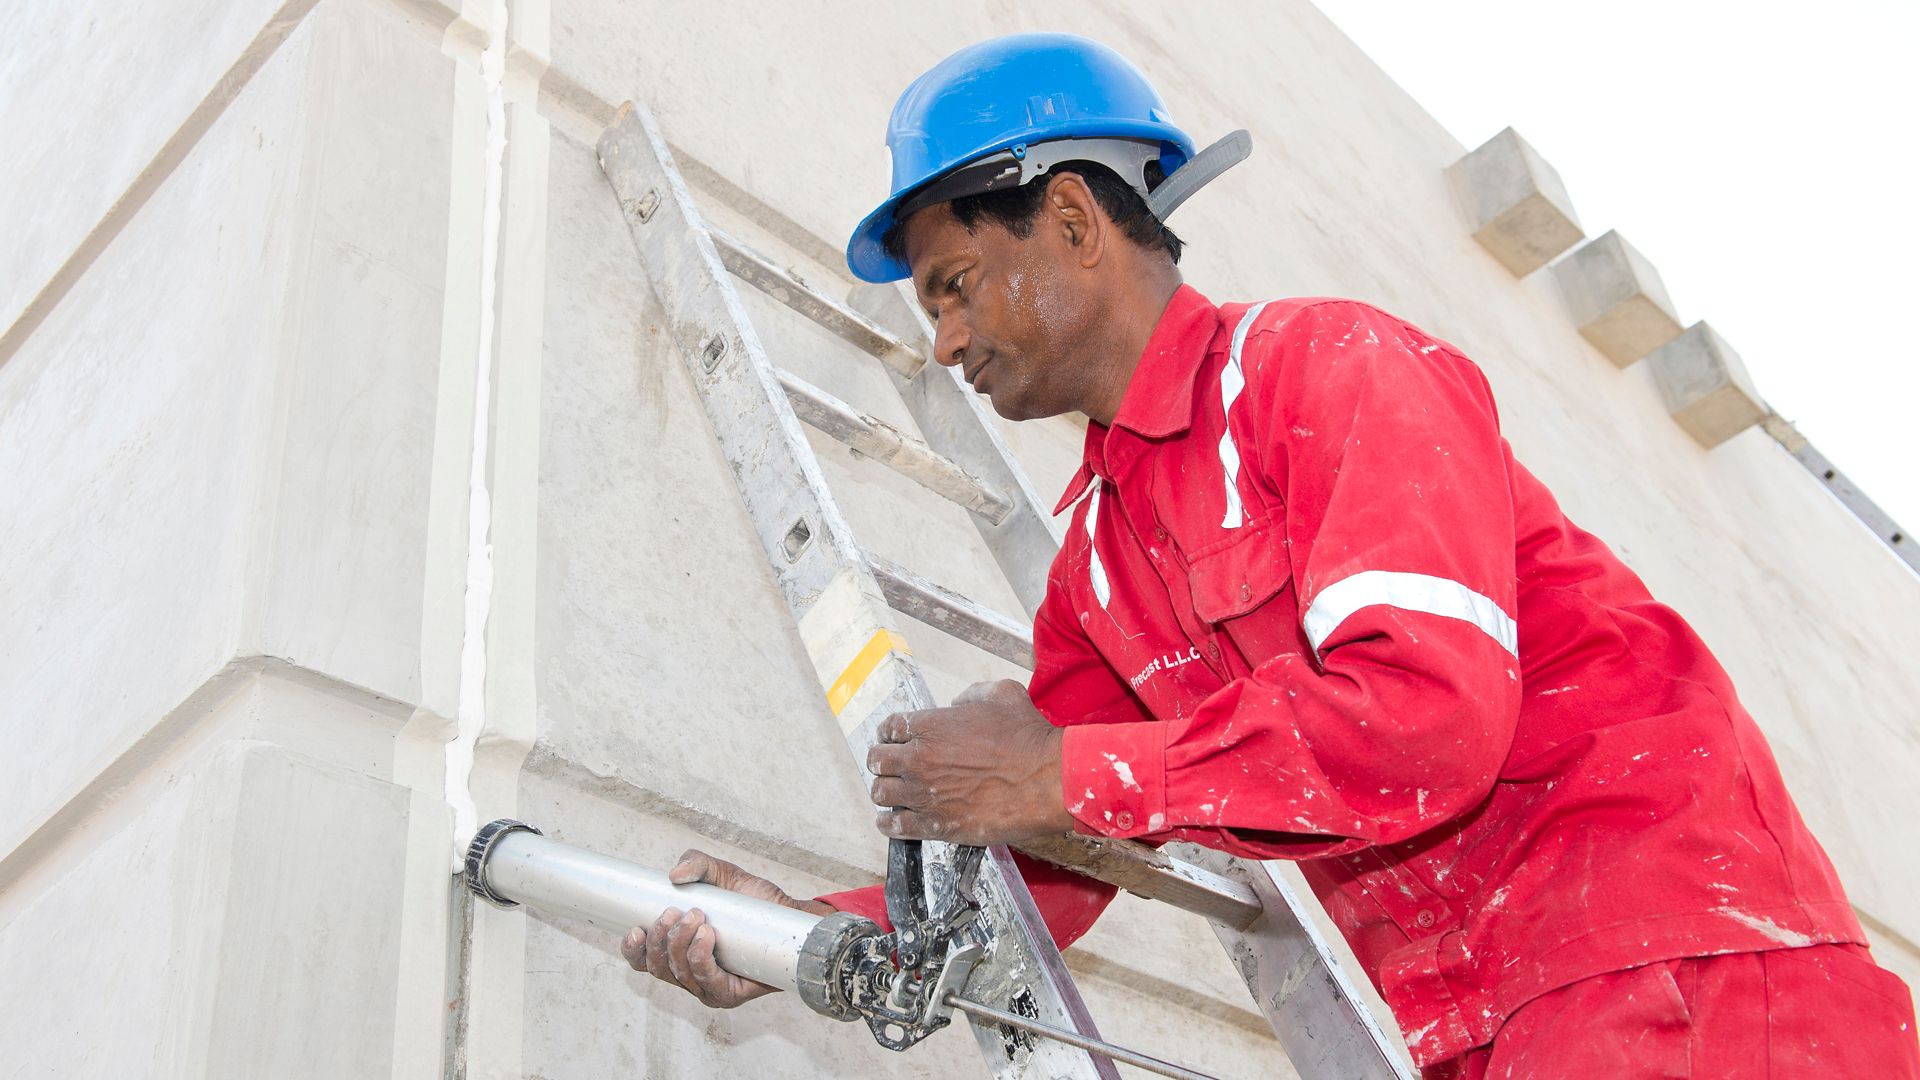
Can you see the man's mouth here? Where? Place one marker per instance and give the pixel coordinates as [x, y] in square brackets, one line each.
[973, 375]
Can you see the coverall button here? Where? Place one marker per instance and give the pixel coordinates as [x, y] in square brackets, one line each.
[1160, 535]
[1424, 920]
[1213, 650]
[1124, 819]
[1246, 590]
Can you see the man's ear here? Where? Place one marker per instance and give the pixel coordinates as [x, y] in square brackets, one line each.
[1076, 213]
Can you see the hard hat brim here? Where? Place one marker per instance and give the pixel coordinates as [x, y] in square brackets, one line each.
[866, 256]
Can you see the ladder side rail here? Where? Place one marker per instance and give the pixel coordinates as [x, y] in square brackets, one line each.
[821, 575]
[1298, 984]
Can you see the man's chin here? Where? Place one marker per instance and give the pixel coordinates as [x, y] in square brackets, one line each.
[1012, 404]
[1018, 410]
[1016, 406]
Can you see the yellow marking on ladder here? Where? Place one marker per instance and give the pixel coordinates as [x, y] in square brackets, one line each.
[877, 648]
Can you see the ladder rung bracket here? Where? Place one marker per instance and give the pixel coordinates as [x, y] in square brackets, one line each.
[948, 611]
[893, 448]
[831, 315]
[1148, 872]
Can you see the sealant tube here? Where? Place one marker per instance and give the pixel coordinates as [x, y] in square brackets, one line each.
[510, 863]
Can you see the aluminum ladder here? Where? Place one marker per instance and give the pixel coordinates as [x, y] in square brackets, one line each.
[844, 599]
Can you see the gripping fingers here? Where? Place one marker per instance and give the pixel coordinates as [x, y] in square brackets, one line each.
[696, 865]
[910, 825]
[897, 728]
[691, 953]
[893, 791]
[633, 949]
[980, 691]
[716, 985]
[656, 946]
[678, 939]
[886, 759]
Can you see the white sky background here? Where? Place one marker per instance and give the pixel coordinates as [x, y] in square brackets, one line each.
[1760, 154]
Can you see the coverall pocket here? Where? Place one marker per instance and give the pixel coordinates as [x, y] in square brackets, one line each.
[1241, 586]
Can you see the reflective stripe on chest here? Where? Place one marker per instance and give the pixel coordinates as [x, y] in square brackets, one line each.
[1233, 379]
[1096, 573]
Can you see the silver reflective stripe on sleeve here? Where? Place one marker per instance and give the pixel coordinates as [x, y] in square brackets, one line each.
[1096, 572]
[1232, 380]
[1408, 592]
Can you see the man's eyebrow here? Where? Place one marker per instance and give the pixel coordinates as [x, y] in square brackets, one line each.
[931, 282]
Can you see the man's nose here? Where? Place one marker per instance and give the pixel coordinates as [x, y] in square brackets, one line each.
[950, 340]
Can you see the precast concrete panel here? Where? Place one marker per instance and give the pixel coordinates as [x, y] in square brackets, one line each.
[95, 95]
[241, 924]
[308, 944]
[102, 969]
[360, 354]
[134, 428]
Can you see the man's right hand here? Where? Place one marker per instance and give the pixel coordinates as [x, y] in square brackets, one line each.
[678, 948]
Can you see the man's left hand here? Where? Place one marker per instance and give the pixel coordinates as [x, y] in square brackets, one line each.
[984, 770]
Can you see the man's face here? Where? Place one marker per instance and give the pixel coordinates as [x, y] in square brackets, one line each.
[1005, 309]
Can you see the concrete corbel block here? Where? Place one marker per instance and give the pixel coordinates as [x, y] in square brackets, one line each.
[1617, 299]
[1706, 387]
[1515, 203]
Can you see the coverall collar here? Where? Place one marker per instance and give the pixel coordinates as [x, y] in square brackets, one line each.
[1159, 397]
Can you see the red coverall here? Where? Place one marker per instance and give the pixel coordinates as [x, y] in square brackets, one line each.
[1311, 608]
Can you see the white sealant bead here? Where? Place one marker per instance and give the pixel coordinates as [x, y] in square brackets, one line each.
[472, 711]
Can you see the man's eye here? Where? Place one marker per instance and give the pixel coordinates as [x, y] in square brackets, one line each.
[953, 283]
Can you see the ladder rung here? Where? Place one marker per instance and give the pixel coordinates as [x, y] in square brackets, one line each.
[1145, 871]
[894, 448]
[785, 286]
[946, 610]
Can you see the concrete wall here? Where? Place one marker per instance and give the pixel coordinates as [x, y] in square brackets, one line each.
[242, 323]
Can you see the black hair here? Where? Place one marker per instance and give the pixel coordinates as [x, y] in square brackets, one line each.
[1014, 209]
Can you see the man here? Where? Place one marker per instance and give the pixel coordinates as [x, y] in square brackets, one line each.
[1310, 607]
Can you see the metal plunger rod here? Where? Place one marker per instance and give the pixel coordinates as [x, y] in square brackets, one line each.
[755, 938]
[1073, 1038]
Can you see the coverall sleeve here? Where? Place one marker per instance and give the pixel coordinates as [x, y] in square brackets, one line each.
[1399, 535]
[1067, 670]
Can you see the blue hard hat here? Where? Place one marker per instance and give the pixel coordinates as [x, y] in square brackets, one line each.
[994, 103]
